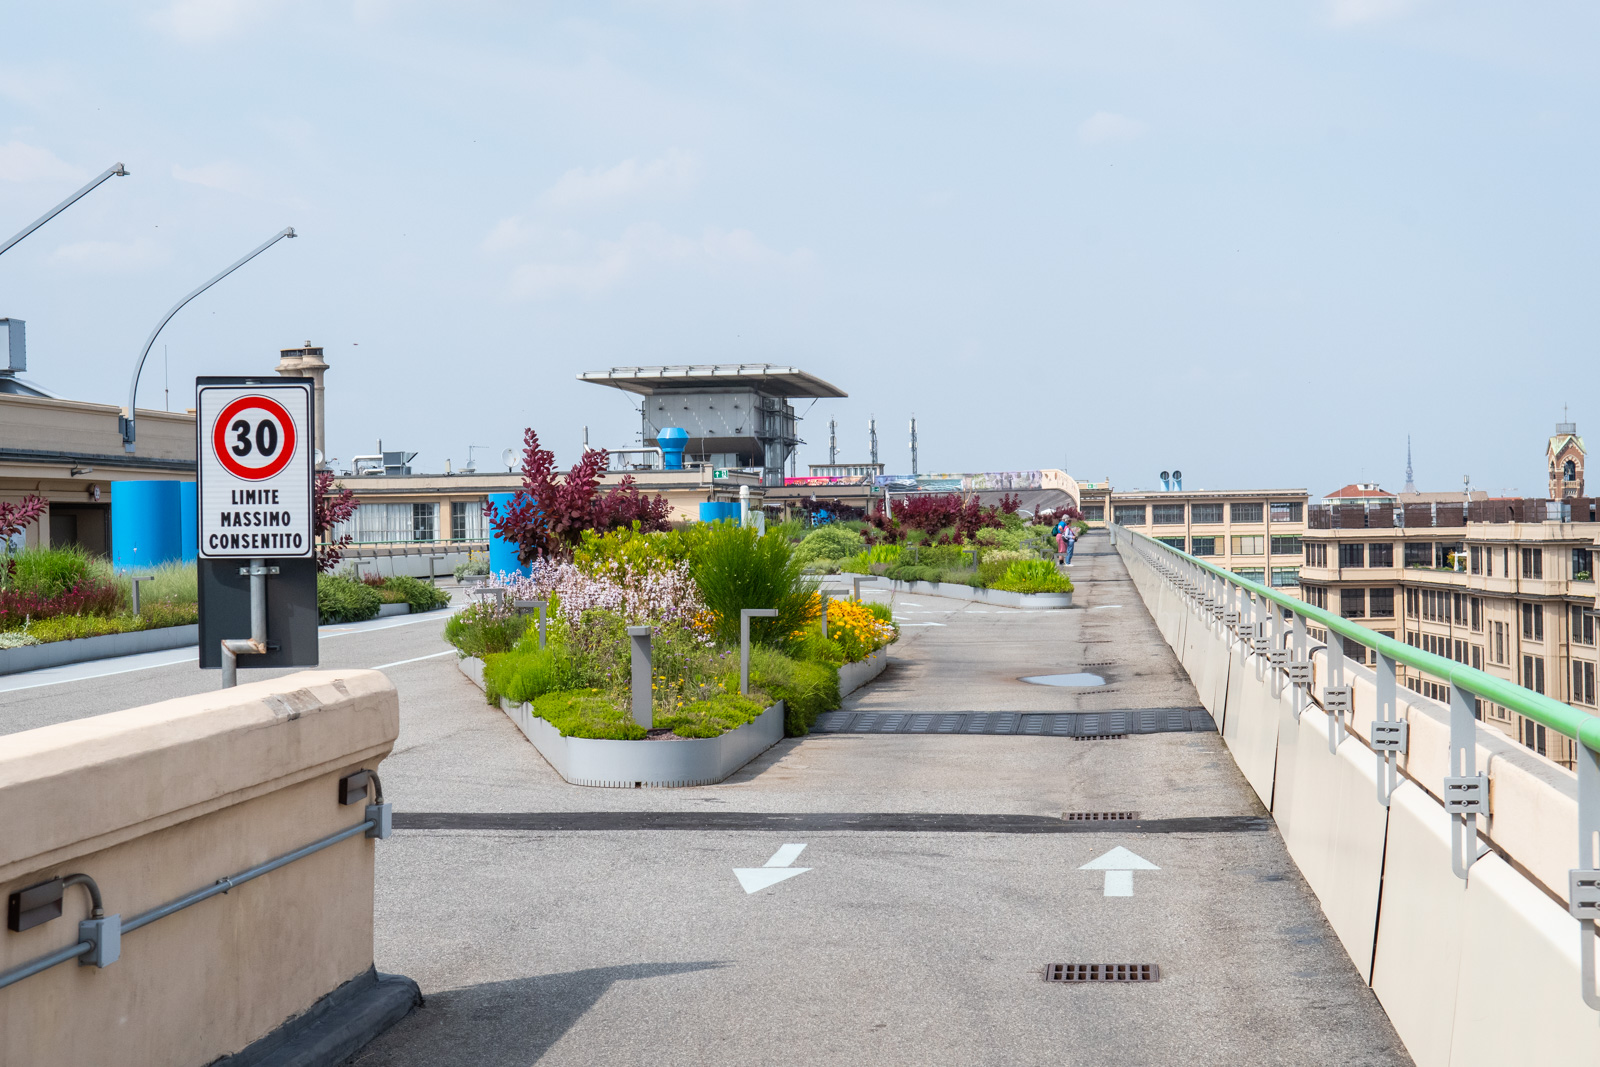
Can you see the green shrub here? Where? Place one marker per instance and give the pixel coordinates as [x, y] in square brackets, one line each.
[807, 689]
[161, 613]
[171, 583]
[528, 672]
[789, 529]
[342, 599]
[880, 611]
[736, 569]
[69, 627]
[419, 594]
[475, 563]
[1033, 576]
[49, 572]
[641, 553]
[830, 542]
[996, 562]
[16, 639]
[587, 713]
[484, 629]
[884, 556]
[711, 717]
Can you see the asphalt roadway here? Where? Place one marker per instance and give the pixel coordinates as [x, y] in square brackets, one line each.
[918, 937]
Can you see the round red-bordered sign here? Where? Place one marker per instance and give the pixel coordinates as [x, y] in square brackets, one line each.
[265, 433]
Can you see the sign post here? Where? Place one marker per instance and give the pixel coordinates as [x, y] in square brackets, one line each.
[255, 508]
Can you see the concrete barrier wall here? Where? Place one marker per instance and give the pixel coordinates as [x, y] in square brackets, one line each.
[159, 801]
[1484, 971]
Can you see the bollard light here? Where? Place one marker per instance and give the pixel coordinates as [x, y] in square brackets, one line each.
[745, 616]
[643, 702]
[542, 605]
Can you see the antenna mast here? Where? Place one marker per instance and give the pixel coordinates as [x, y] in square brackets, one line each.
[913, 446]
[872, 432]
[833, 441]
[1411, 486]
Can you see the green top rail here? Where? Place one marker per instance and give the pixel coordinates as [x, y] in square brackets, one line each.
[1575, 724]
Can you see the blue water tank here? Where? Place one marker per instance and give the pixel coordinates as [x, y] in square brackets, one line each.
[188, 521]
[146, 524]
[502, 553]
[719, 511]
[673, 441]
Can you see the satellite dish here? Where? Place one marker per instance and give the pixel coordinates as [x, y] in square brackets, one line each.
[506, 457]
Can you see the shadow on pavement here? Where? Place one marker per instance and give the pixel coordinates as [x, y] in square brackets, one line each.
[505, 1024]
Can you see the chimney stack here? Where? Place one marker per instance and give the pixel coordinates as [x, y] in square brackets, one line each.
[307, 362]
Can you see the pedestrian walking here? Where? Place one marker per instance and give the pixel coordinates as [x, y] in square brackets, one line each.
[1062, 546]
[1071, 538]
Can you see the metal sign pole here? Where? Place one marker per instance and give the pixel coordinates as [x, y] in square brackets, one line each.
[256, 645]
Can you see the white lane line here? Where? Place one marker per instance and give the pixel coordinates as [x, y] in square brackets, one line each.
[785, 856]
[415, 659]
[904, 624]
[775, 870]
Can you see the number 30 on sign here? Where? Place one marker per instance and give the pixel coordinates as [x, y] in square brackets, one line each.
[255, 468]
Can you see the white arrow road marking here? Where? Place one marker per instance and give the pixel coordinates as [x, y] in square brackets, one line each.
[1119, 865]
[776, 870]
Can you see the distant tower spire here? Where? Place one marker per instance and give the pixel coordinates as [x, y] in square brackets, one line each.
[1411, 486]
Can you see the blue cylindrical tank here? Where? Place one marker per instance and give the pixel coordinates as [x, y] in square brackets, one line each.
[188, 521]
[503, 553]
[673, 441]
[146, 524]
[719, 511]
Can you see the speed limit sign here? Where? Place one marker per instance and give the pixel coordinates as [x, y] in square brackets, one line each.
[255, 453]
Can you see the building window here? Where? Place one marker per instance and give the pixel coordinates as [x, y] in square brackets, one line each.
[1533, 735]
[1315, 595]
[1411, 603]
[1252, 574]
[1286, 546]
[466, 520]
[1380, 555]
[1488, 563]
[1582, 682]
[1128, 514]
[1499, 642]
[1582, 626]
[1532, 562]
[1419, 553]
[1445, 554]
[1352, 603]
[1244, 512]
[1287, 512]
[1248, 544]
[1460, 604]
[1353, 555]
[1283, 576]
[1381, 604]
[1533, 622]
[1475, 559]
[1316, 555]
[422, 521]
[1533, 673]
[1203, 546]
[1354, 649]
[1477, 615]
[1477, 657]
[1173, 542]
[1199, 513]
[1167, 515]
[1582, 561]
[1094, 513]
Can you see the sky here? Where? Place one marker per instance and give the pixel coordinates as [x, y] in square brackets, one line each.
[1261, 242]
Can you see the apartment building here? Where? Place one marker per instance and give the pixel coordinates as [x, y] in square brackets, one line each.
[1506, 586]
[1254, 533]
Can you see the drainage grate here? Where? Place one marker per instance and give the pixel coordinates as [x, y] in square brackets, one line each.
[1099, 816]
[1100, 737]
[1102, 972]
[1038, 724]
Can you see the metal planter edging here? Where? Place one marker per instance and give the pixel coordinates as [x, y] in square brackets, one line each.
[105, 646]
[853, 676]
[954, 591]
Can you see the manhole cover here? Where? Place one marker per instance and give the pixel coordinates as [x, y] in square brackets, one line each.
[1102, 972]
[1074, 681]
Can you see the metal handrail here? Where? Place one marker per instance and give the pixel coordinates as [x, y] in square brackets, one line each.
[1580, 726]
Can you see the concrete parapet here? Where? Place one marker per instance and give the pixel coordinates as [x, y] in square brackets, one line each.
[155, 803]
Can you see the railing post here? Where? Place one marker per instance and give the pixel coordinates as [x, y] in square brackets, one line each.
[1466, 792]
[1300, 666]
[1388, 735]
[1583, 881]
[1337, 698]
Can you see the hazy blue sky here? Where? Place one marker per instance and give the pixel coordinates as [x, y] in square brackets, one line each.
[1258, 241]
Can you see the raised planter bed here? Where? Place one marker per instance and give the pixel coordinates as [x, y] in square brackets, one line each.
[853, 676]
[635, 764]
[387, 610]
[1026, 601]
[83, 649]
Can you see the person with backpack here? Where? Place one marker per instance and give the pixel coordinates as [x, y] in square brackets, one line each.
[1071, 538]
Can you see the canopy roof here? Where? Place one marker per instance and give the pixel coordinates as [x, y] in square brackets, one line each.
[761, 377]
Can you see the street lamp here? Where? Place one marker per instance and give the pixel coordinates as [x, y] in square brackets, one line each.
[115, 171]
[125, 422]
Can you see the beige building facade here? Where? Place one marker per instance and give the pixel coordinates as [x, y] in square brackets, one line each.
[1254, 533]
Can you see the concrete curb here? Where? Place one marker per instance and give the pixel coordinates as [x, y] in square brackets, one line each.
[1025, 601]
[853, 676]
[106, 646]
[335, 1027]
[635, 764]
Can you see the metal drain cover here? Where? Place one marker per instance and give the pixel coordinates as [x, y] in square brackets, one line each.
[1102, 972]
[1037, 724]
[1099, 816]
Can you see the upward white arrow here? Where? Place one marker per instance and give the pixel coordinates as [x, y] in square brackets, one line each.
[776, 869]
[1119, 865]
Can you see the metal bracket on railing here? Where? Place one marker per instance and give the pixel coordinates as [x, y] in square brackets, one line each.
[1338, 701]
[1389, 735]
[1583, 882]
[1260, 643]
[1466, 792]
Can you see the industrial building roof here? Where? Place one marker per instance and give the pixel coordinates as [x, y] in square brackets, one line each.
[761, 377]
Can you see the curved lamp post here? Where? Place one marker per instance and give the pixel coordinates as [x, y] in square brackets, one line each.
[125, 422]
[115, 171]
